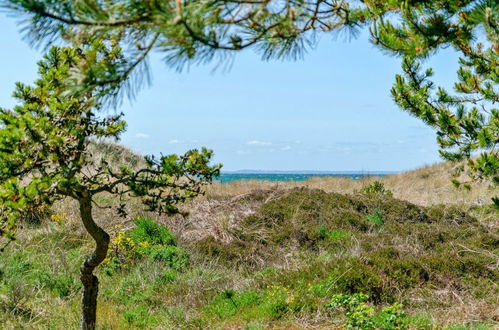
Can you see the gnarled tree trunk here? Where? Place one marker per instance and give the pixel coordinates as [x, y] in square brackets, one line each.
[88, 279]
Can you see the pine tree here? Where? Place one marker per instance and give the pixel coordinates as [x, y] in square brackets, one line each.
[467, 119]
[44, 157]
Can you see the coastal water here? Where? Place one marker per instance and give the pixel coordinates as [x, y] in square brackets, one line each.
[229, 177]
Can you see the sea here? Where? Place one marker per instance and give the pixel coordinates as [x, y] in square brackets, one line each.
[226, 177]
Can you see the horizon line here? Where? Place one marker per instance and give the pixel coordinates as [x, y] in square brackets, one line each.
[253, 171]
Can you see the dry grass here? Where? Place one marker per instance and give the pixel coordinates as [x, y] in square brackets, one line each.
[425, 186]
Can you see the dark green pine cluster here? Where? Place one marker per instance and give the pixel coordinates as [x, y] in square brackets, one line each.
[467, 119]
[187, 31]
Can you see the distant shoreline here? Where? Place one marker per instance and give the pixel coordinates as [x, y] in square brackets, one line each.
[363, 172]
[284, 176]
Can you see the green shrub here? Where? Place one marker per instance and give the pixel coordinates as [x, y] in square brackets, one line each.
[272, 303]
[376, 188]
[147, 240]
[391, 318]
[335, 234]
[376, 218]
[169, 276]
[228, 302]
[350, 276]
[360, 315]
[172, 256]
[111, 265]
[147, 230]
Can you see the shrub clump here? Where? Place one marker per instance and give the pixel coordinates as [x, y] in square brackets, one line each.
[304, 219]
[366, 243]
[360, 315]
[146, 240]
[376, 188]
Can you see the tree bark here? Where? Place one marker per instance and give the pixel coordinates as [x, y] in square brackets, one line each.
[88, 279]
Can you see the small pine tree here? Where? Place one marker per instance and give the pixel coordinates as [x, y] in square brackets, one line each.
[44, 157]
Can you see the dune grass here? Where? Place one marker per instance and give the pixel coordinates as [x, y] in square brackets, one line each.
[424, 186]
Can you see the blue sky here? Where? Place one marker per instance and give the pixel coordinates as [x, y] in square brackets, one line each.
[331, 111]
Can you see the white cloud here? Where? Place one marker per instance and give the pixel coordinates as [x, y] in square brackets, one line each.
[175, 141]
[286, 148]
[142, 136]
[258, 143]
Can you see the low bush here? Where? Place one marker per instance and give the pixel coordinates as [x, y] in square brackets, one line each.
[335, 234]
[376, 188]
[376, 218]
[360, 315]
[146, 240]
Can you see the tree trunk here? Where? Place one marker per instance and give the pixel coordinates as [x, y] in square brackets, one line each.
[88, 279]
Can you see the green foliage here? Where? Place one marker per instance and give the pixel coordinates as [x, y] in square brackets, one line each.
[377, 187]
[391, 318]
[170, 255]
[186, 31]
[147, 230]
[228, 302]
[139, 317]
[45, 156]
[39, 269]
[349, 277]
[359, 315]
[146, 239]
[467, 121]
[304, 223]
[466, 129]
[376, 218]
[45, 141]
[275, 302]
[241, 293]
[62, 285]
[335, 234]
[495, 200]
